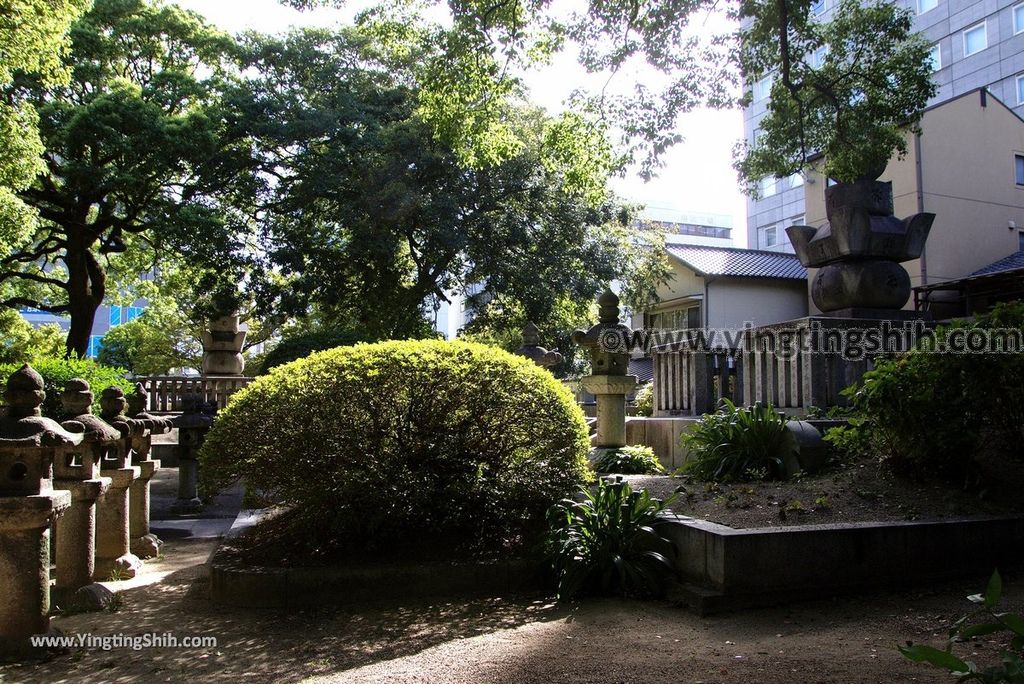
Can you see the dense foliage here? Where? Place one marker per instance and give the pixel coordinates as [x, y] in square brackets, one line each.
[846, 88]
[736, 443]
[404, 445]
[644, 400]
[927, 413]
[303, 344]
[57, 371]
[984, 621]
[629, 460]
[21, 342]
[608, 543]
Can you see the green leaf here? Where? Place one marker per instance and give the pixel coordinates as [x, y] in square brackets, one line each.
[926, 654]
[994, 590]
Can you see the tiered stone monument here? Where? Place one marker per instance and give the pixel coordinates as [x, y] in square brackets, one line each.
[79, 473]
[192, 426]
[29, 445]
[144, 543]
[532, 350]
[608, 380]
[222, 347]
[113, 542]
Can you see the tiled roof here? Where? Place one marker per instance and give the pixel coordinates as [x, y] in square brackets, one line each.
[742, 263]
[1010, 263]
[643, 369]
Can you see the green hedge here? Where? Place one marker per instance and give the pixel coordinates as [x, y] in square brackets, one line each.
[302, 345]
[56, 373]
[404, 443]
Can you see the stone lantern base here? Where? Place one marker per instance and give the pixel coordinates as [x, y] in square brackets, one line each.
[610, 391]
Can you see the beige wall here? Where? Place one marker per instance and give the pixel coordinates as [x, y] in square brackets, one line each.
[735, 301]
[967, 181]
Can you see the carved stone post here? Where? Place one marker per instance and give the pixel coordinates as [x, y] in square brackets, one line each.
[222, 347]
[143, 543]
[29, 444]
[113, 543]
[192, 427]
[607, 344]
[79, 473]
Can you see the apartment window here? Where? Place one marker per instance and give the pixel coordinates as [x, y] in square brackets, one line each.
[1018, 18]
[975, 39]
[769, 236]
[115, 316]
[818, 57]
[935, 56]
[1019, 162]
[817, 6]
[926, 5]
[95, 345]
[767, 186]
[1020, 89]
[763, 88]
[797, 220]
[796, 180]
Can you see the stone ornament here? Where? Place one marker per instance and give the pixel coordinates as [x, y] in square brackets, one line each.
[192, 424]
[532, 350]
[222, 347]
[860, 248]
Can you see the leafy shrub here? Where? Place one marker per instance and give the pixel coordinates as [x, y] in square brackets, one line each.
[56, 373]
[394, 443]
[629, 460]
[644, 400]
[303, 344]
[608, 543]
[927, 413]
[736, 444]
[1011, 668]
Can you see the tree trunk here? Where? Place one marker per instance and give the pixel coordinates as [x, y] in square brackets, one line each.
[87, 285]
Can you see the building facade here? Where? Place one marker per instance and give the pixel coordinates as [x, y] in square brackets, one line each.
[975, 44]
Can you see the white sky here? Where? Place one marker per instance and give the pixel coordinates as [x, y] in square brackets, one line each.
[697, 176]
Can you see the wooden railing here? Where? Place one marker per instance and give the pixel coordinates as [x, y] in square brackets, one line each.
[165, 391]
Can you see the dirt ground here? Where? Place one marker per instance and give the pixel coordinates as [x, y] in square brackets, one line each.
[857, 492]
[496, 640]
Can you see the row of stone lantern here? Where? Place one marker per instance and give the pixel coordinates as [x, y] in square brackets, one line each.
[88, 478]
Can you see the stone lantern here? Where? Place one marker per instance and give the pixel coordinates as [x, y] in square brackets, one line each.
[79, 473]
[222, 347]
[192, 426]
[859, 250]
[113, 543]
[608, 381]
[29, 444]
[144, 543]
[532, 350]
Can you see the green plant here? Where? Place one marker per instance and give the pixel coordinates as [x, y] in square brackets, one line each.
[644, 400]
[303, 344]
[383, 447]
[56, 373]
[608, 542]
[1011, 668]
[629, 460]
[735, 444]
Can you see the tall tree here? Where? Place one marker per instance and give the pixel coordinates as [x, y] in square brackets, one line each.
[33, 34]
[374, 218]
[141, 154]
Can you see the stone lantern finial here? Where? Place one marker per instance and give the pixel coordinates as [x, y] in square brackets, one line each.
[137, 400]
[608, 311]
[77, 397]
[112, 403]
[531, 335]
[532, 350]
[25, 393]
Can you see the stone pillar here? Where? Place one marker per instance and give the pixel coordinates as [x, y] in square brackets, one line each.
[144, 543]
[192, 427]
[113, 542]
[222, 347]
[608, 382]
[610, 392]
[29, 443]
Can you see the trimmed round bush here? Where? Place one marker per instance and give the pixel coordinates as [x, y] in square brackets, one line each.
[421, 443]
[301, 345]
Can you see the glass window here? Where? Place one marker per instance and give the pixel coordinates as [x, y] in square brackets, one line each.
[133, 313]
[1018, 18]
[115, 316]
[975, 39]
[818, 57]
[95, 344]
[797, 220]
[925, 5]
[763, 88]
[693, 317]
[1020, 89]
[1019, 162]
[767, 186]
[935, 55]
[796, 180]
[817, 6]
[769, 236]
